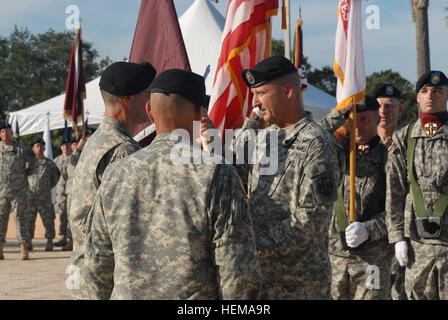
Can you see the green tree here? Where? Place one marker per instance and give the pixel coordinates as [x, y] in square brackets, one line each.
[35, 67]
[408, 95]
[324, 79]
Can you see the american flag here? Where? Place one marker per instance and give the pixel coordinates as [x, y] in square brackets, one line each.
[245, 41]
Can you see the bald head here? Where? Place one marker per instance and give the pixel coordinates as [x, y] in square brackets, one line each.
[171, 112]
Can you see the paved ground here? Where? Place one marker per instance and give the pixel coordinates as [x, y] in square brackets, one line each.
[42, 277]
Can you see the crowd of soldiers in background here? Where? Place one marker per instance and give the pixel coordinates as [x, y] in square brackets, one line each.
[29, 178]
[142, 227]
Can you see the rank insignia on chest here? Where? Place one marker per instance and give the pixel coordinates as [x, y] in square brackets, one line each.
[363, 149]
[430, 128]
[389, 144]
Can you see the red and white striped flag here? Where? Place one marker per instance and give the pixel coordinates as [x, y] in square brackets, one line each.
[245, 41]
[349, 56]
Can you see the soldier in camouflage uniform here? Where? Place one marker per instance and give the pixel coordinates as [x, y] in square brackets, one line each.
[44, 179]
[354, 247]
[388, 97]
[291, 207]
[17, 162]
[417, 179]
[123, 87]
[162, 230]
[62, 161]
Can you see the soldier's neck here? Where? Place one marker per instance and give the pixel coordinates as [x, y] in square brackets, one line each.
[385, 133]
[39, 156]
[7, 142]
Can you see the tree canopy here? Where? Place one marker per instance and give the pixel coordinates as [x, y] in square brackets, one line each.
[35, 66]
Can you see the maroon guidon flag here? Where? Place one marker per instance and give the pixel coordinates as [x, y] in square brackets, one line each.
[157, 40]
[75, 91]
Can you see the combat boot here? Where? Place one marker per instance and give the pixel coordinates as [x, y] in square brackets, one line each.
[61, 242]
[1, 251]
[49, 246]
[30, 245]
[68, 246]
[24, 251]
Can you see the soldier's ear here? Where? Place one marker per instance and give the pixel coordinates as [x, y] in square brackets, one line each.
[148, 110]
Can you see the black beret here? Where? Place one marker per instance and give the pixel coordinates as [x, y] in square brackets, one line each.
[369, 104]
[126, 78]
[431, 79]
[5, 125]
[187, 84]
[386, 91]
[38, 141]
[65, 141]
[268, 70]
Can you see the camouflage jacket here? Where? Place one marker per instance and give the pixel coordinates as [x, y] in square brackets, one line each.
[291, 207]
[44, 179]
[110, 142]
[62, 164]
[159, 230]
[431, 173]
[370, 187]
[17, 162]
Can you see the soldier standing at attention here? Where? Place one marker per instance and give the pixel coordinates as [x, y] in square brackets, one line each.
[44, 178]
[167, 230]
[417, 191]
[124, 90]
[17, 162]
[388, 97]
[357, 246]
[62, 161]
[291, 207]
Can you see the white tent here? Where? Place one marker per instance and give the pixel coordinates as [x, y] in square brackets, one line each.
[201, 27]
[34, 118]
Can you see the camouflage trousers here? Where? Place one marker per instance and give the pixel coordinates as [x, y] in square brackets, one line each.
[426, 275]
[397, 273]
[61, 211]
[46, 211]
[77, 262]
[18, 207]
[296, 277]
[361, 278]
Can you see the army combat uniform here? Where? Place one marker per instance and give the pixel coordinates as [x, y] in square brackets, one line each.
[110, 142]
[351, 274]
[291, 208]
[170, 231]
[44, 178]
[61, 202]
[427, 255]
[67, 167]
[17, 162]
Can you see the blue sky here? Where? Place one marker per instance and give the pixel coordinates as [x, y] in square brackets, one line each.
[110, 25]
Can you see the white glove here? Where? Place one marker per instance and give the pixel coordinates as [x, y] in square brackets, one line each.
[355, 234]
[257, 111]
[401, 252]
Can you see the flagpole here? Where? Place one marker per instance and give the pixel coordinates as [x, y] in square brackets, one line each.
[352, 122]
[287, 33]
